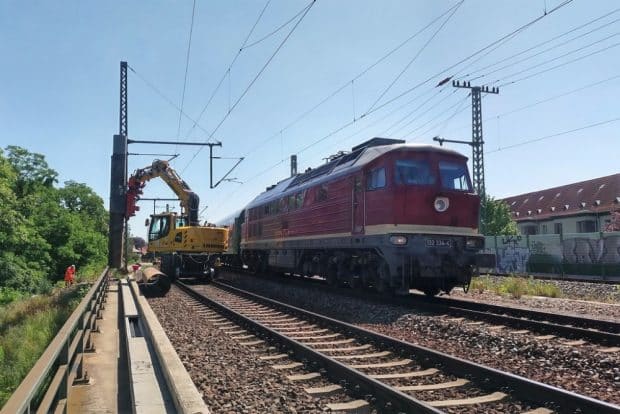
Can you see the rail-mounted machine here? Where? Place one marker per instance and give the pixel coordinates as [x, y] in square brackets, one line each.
[184, 246]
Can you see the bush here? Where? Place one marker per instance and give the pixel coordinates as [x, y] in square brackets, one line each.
[516, 286]
[27, 326]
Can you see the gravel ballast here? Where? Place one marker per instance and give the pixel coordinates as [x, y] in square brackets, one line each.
[230, 376]
[583, 369]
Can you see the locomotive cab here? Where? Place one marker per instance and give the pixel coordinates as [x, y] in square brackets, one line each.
[424, 204]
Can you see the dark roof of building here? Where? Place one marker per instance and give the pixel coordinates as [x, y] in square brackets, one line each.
[599, 195]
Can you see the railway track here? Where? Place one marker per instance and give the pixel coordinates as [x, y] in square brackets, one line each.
[391, 375]
[575, 328]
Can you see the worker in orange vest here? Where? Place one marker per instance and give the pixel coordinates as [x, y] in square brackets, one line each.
[69, 275]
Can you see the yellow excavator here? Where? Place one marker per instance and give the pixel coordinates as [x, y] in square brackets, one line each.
[184, 246]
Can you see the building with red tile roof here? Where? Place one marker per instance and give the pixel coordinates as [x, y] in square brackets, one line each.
[584, 207]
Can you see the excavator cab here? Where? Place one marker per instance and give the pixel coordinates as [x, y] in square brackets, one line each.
[160, 226]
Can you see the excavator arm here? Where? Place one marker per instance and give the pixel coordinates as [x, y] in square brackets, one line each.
[161, 169]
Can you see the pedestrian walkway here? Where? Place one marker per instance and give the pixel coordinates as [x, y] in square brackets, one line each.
[107, 390]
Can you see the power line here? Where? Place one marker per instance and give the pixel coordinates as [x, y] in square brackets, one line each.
[558, 66]
[268, 35]
[530, 141]
[414, 110]
[436, 104]
[456, 7]
[546, 50]
[348, 83]
[437, 75]
[549, 41]
[189, 46]
[253, 80]
[227, 71]
[551, 98]
[164, 97]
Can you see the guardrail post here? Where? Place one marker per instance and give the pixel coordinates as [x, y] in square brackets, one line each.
[63, 359]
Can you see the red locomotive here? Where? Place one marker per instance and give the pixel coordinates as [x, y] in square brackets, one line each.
[387, 215]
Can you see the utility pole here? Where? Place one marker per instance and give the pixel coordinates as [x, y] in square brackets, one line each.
[477, 143]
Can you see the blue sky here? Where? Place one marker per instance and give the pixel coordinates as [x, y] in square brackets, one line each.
[61, 72]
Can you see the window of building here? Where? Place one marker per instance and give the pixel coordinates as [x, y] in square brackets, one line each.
[586, 226]
[454, 176]
[530, 229]
[291, 202]
[376, 179]
[557, 228]
[544, 229]
[413, 172]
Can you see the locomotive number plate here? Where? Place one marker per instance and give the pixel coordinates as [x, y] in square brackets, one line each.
[438, 243]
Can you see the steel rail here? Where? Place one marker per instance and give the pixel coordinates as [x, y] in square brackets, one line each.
[594, 330]
[486, 377]
[606, 332]
[387, 398]
[602, 325]
[62, 360]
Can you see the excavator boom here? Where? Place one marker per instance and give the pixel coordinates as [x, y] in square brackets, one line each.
[190, 201]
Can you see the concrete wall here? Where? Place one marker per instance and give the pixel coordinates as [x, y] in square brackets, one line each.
[569, 253]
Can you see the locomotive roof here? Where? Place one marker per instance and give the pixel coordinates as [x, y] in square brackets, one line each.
[345, 164]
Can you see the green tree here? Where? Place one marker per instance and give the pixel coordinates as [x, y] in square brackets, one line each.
[43, 229]
[495, 218]
[32, 169]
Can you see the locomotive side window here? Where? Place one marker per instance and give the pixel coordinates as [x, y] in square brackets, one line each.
[376, 179]
[414, 172]
[299, 199]
[321, 193]
[454, 176]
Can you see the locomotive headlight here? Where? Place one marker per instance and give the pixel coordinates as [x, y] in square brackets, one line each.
[442, 204]
[474, 243]
[398, 240]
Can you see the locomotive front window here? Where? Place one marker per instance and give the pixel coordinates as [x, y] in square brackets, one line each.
[454, 176]
[414, 172]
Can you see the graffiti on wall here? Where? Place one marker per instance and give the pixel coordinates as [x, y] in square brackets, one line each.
[521, 254]
[511, 257]
[581, 250]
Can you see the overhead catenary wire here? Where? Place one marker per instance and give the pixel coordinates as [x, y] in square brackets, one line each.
[539, 102]
[348, 83]
[558, 66]
[557, 134]
[544, 51]
[526, 50]
[273, 55]
[414, 58]
[189, 47]
[549, 41]
[467, 58]
[164, 97]
[227, 71]
[399, 96]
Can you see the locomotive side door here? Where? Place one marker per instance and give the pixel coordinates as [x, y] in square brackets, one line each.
[358, 206]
